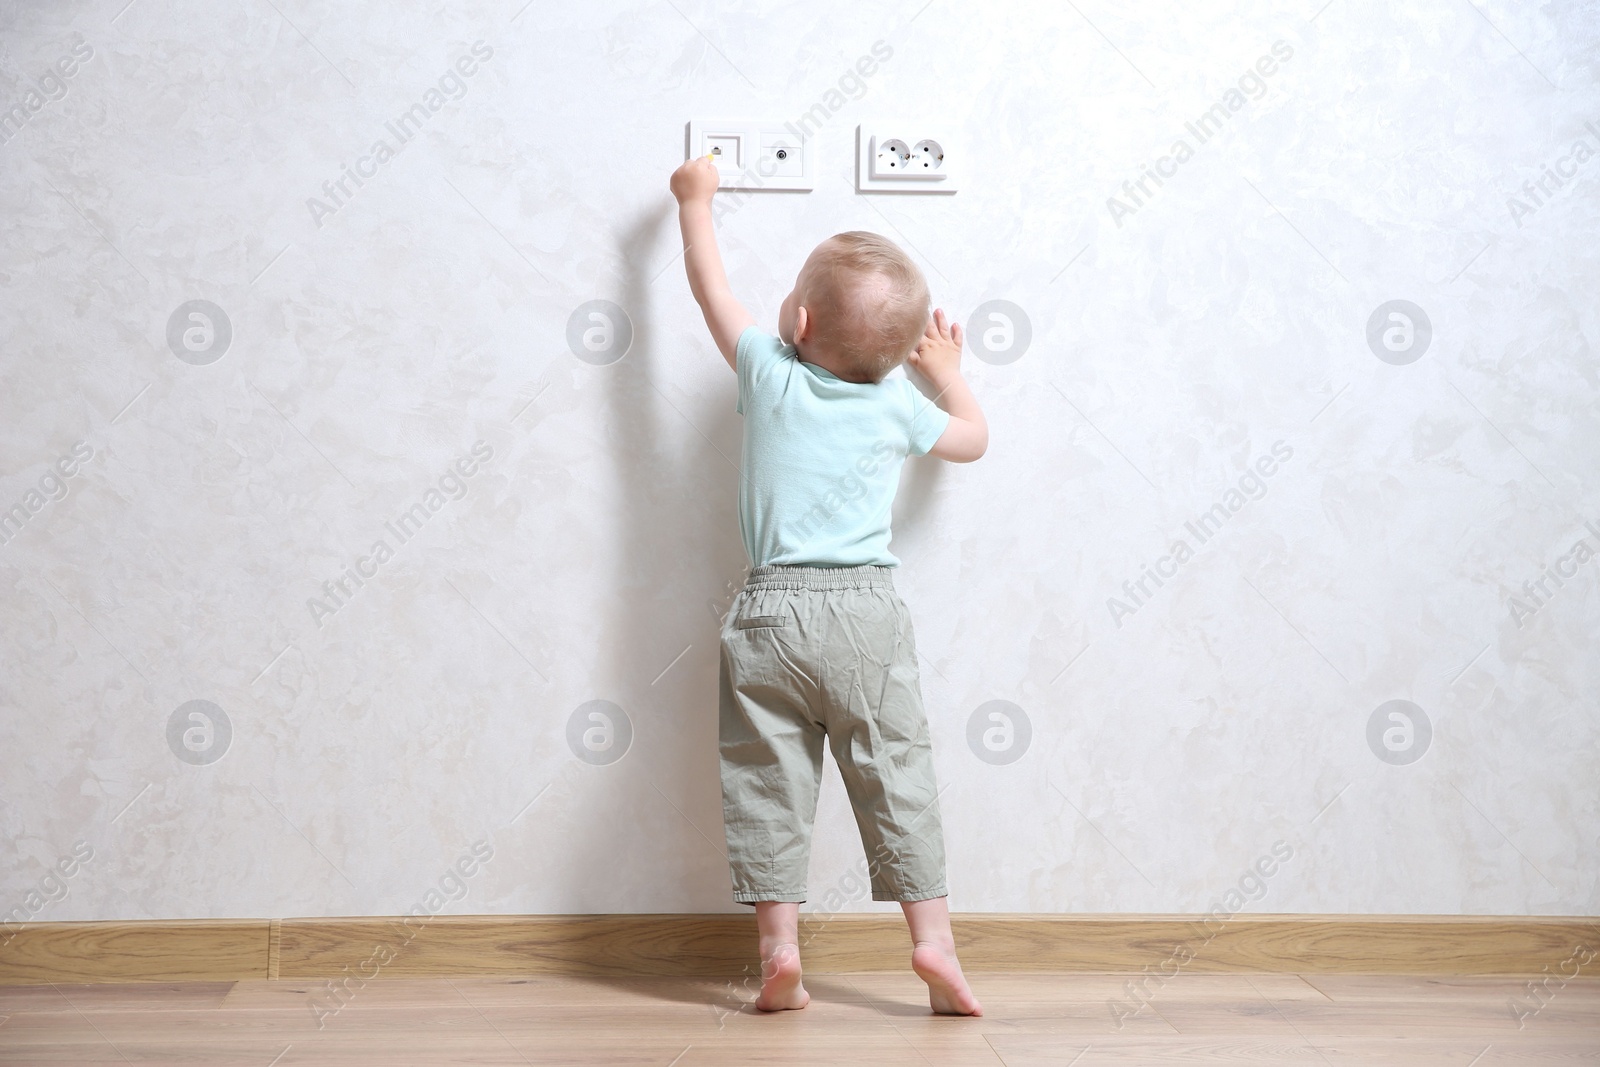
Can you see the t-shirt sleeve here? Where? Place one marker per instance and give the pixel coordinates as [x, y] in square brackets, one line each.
[753, 358]
[927, 420]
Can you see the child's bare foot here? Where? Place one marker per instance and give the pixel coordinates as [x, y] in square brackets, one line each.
[948, 993]
[780, 980]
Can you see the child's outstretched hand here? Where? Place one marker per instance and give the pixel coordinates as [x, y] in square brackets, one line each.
[938, 354]
[696, 180]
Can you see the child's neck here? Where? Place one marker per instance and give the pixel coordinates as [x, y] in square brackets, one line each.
[809, 354]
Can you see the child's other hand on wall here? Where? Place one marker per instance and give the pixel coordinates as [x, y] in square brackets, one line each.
[938, 354]
[696, 180]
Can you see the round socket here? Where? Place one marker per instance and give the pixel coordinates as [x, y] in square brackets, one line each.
[894, 155]
[927, 155]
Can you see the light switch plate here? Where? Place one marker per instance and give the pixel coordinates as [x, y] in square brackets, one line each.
[752, 154]
[905, 157]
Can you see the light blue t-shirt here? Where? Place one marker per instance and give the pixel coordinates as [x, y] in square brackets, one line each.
[822, 457]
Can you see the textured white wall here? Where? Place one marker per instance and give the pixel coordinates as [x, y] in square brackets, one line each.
[1177, 336]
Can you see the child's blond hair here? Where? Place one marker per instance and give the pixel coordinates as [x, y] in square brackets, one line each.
[873, 299]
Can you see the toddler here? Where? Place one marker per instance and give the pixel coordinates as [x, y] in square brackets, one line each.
[818, 644]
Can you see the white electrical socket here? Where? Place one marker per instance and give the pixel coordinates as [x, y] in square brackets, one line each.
[904, 158]
[753, 154]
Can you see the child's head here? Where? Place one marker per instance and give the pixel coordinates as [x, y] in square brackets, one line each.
[860, 303]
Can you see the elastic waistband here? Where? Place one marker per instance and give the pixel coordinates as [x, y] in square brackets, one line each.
[784, 576]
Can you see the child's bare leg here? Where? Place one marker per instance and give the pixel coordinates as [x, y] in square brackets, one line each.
[933, 957]
[779, 925]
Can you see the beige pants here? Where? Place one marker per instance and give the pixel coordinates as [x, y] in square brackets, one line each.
[814, 652]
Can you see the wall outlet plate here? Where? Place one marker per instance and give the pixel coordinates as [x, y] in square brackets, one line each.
[905, 157]
[753, 154]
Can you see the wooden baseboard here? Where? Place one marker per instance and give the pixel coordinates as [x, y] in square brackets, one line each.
[725, 944]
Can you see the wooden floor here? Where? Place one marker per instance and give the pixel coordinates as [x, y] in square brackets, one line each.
[852, 1019]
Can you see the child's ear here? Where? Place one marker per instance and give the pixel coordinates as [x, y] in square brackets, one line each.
[802, 324]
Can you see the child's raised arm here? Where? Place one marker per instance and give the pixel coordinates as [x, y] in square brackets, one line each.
[938, 359]
[694, 184]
